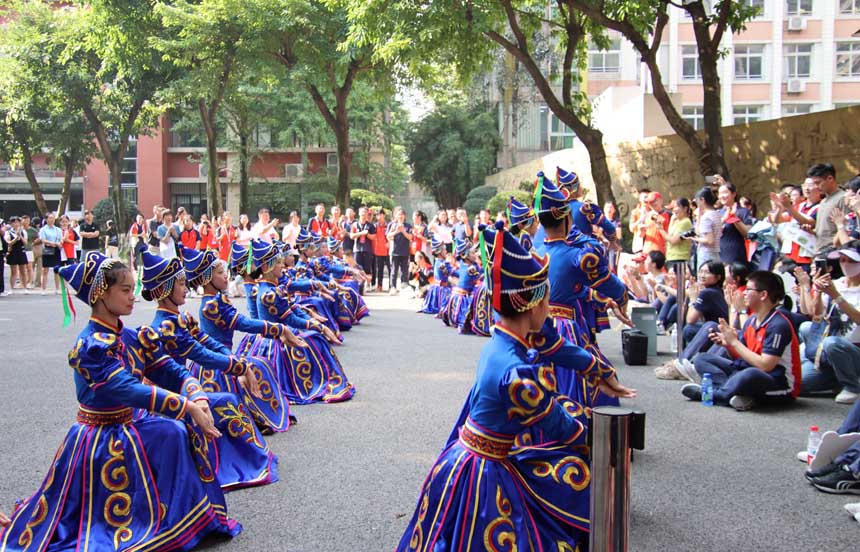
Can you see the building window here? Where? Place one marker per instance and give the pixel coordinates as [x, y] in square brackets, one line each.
[605, 61]
[128, 176]
[849, 7]
[749, 61]
[331, 163]
[695, 115]
[798, 7]
[848, 59]
[796, 109]
[840, 105]
[758, 4]
[690, 67]
[798, 60]
[560, 135]
[747, 114]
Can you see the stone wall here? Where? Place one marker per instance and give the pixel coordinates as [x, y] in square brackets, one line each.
[761, 156]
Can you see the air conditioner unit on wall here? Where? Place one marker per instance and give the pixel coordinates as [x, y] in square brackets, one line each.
[796, 23]
[294, 170]
[203, 170]
[795, 86]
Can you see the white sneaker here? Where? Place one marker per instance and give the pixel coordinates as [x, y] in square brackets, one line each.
[392, 291]
[846, 397]
[803, 456]
[6, 294]
[57, 292]
[742, 403]
[853, 508]
[686, 368]
[44, 292]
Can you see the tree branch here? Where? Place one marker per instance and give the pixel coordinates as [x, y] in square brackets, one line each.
[722, 23]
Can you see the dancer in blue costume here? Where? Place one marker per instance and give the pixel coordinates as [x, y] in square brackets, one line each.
[569, 287]
[340, 279]
[219, 319]
[243, 457]
[308, 291]
[458, 309]
[307, 374]
[239, 264]
[481, 310]
[439, 292]
[522, 222]
[483, 492]
[116, 482]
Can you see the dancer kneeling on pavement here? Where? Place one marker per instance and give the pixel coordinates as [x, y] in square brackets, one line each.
[763, 362]
[482, 492]
[107, 454]
[243, 458]
[306, 374]
[439, 292]
[459, 308]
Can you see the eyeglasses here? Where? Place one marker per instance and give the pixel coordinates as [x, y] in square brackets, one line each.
[755, 290]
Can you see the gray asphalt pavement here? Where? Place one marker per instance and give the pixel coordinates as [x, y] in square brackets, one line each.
[710, 478]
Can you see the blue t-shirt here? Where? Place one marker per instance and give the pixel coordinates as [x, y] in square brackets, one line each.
[460, 231]
[401, 242]
[732, 247]
[711, 303]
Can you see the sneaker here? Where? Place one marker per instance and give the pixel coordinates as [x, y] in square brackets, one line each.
[378, 289]
[668, 372]
[803, 456]
[44, 292]
[812, 475]
[692, 391]
[741, 403]
[846, 397]
[26, 291]
[6, 294]
[841, 481]
[853, 508]
[686, 369]
[392, 291]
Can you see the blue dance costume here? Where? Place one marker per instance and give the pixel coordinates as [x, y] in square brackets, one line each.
[439, 292]
[457, 311]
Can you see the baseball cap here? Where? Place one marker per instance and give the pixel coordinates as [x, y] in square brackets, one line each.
[653, 196]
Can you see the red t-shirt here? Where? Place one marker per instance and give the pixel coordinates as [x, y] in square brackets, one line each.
[380, 244]
[69, 246]
[207, 241]
[228, 236]
[189, 238]
[321, 228]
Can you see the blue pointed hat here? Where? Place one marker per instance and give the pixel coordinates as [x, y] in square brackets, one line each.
[461, 247]
[316, 239]
[510, 270]
[566, 179]
[436, 245]
[303, 239]
[549, 198]
[159, 275]
[238, 256]
[333, 243]
[519, 212]
[198, 265]
[87, 278]
[591, 214]
[263, 253]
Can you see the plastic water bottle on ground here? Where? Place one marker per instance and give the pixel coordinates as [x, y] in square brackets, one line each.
[707, 390]
[812, 443]
[673, 339]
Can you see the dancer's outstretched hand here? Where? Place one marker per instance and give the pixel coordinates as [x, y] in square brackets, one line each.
[611, 387]
[4, 520]
[202, 418]
[249, 382]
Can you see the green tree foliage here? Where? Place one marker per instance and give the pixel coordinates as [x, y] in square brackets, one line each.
[499, 202]
[103, 211]
[359, 197]
[451, 150]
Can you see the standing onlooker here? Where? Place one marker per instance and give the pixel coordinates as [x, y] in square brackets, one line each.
[364, 232]
[709, 228]
[823, 175]
[612, 215]
[69, 254]
[345, 235]
[52, 243]
[3, 250]
[225, 234]
[89, 232]
[654, 224]
[75, 226]
[245, 233]
[319, 223]
[207, 237]
[111, 240]
[736, 223]
[442, 230]
[291, 230]
[31, 247]
[189, 237]
[420, 234]
[137, 233]
[334, 223]
[678, 248]
[799, 228]
[264, 229]
[152, 225]
[167, 236]
[16, 256]
[399, 234]
[380, 251]
[462, 229]
[637, 215]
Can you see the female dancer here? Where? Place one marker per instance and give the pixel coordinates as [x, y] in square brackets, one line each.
[439, 292]
[108, 457]
[243, 457]
[523, 222]
[483, 492]
[457, 311]
[306, 374]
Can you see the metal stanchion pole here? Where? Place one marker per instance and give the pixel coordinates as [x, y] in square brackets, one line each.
[614, 431]
[681, 300]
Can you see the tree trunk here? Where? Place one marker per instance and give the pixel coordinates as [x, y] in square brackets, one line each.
[244, 162]
[34, 184]
[69, 163]
[593, 141]
[344, 160]
[115, 168]
[213, 181]
[708, 55]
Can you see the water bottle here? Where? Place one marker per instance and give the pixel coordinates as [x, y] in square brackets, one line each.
[707, 390]
[673, 339]
[812, 443]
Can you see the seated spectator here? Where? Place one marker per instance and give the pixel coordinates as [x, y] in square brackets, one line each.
[706, 299]
[763, 360]
[842, 475]
[836, 366]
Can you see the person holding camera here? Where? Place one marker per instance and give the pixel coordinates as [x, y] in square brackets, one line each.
[399, 234]
[168, 236]
[839, 361]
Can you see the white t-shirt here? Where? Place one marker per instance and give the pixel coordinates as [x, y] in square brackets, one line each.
[443, 233]
[852, 295]
[268, 236]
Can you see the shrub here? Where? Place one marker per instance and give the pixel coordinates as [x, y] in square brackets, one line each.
[482, 192]
[103, 211]
[359, 197]
[499, 202]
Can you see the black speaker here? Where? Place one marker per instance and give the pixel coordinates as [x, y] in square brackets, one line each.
[634, 345]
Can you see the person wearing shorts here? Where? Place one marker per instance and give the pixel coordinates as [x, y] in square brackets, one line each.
[52, 241]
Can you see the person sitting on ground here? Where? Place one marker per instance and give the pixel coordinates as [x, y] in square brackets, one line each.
[764, 361]
[706, 300]
[842, 474]
[839, 361]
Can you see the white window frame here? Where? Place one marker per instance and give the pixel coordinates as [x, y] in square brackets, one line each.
[854, 51]
[786, 107]
[695, 115]
[686, 56]
[746, 115]
[789, 57]
[561, 133]
[749, 57]
[763, 13]
[605, 56]
[855, 9]
[795, 7]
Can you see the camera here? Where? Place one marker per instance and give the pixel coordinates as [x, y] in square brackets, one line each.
[822, 266]
[691, 233]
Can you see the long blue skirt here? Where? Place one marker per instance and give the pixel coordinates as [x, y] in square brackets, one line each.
[436, 299]
[481, 315]
[457, 311]
[122, 486]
